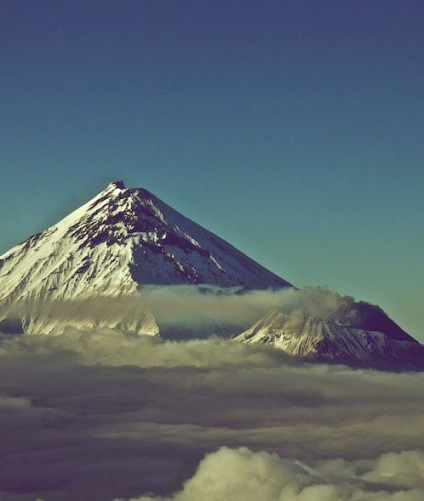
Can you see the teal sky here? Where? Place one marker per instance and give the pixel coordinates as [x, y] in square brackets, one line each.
[293, 129]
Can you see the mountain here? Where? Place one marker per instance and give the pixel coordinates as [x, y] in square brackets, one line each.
[359, 334]
[96, 267]
[109, 249]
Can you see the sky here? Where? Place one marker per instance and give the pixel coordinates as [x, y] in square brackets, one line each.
[292, 129]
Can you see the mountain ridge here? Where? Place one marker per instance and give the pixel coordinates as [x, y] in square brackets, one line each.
[331, 341]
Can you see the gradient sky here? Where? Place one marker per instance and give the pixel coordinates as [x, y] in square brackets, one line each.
[293, 129]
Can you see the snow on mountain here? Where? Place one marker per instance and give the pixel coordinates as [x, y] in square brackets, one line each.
[109, 248]
[360, 335]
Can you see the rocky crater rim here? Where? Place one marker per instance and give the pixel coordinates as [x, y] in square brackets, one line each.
[116, 184]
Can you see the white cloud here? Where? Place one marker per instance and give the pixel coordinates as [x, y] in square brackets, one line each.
[111, 347]
[403, 469]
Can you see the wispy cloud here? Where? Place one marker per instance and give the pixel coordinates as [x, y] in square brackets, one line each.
[190, 305]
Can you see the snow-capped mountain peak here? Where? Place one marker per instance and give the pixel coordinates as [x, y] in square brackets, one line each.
[123, 239]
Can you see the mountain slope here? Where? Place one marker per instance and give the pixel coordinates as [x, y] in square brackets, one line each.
[110, 247]
[341, 337]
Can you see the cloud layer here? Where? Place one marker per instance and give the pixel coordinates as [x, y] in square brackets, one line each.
[101, 415]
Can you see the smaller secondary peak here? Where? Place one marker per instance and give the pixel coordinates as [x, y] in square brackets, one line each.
[116, 184]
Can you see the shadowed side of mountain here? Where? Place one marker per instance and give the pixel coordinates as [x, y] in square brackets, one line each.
[342, 337]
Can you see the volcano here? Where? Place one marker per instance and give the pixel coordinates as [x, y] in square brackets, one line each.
[111, 247]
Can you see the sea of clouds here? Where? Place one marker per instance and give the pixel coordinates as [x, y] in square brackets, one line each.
[102, 415]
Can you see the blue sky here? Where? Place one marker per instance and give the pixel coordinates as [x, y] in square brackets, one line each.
[293, 129]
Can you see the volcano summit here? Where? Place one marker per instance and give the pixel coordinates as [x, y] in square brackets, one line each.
[112, 246]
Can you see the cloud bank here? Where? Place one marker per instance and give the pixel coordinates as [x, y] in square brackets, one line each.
[190, 305]
[175, 311]
[104, 415]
